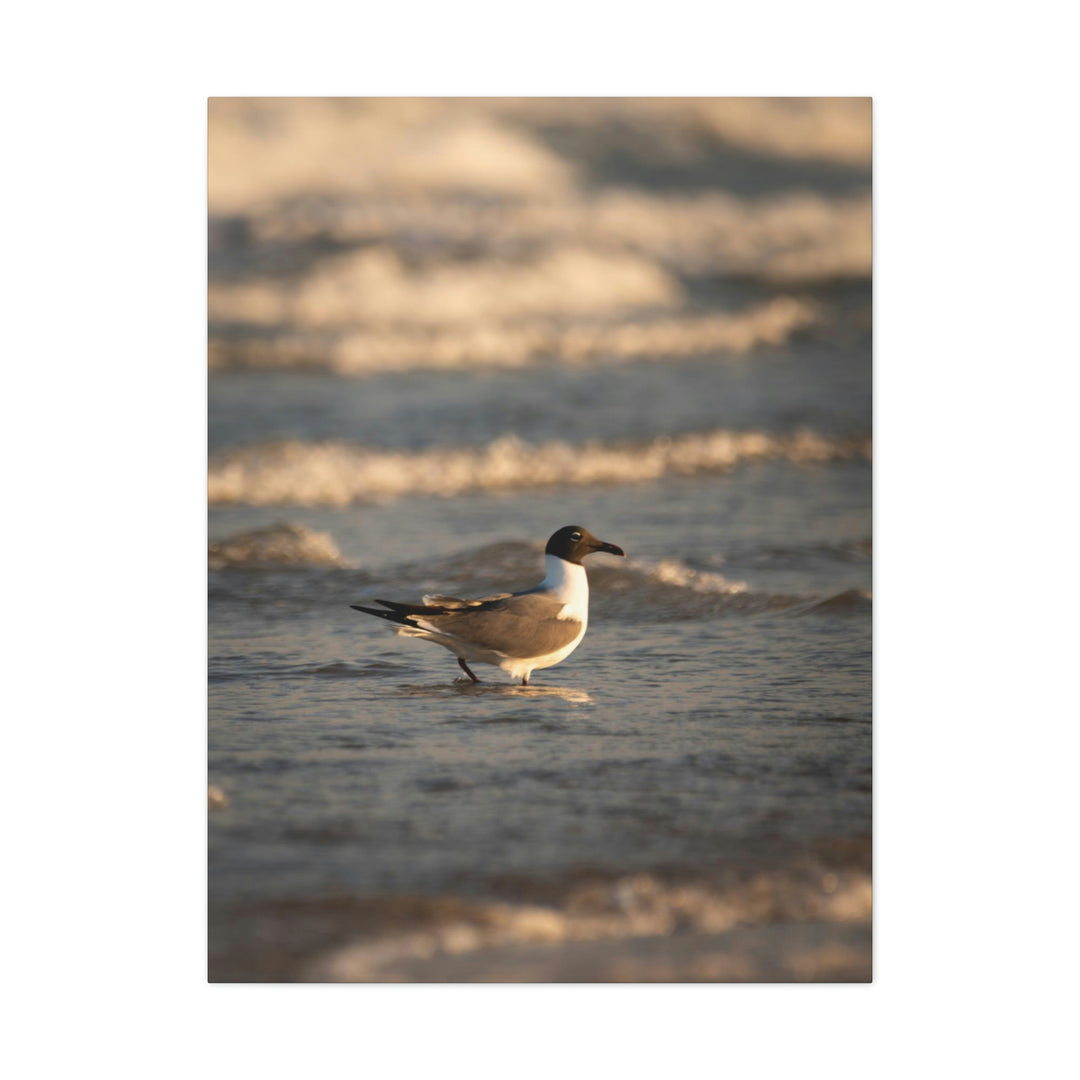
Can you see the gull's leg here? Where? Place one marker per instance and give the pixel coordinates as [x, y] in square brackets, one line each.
[525, 680]
[465, 668]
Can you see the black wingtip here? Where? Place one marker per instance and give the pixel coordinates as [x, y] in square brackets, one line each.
[370, 611]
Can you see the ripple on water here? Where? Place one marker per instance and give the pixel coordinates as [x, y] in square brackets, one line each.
[349, 670]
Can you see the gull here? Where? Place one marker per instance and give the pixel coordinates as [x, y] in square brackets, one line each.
[517, 632]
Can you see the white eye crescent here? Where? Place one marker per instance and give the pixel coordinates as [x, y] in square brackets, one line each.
[575, 536]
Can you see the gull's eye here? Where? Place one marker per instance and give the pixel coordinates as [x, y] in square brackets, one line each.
[576, 536]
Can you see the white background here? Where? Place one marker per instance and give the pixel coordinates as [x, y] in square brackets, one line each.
[104, 538]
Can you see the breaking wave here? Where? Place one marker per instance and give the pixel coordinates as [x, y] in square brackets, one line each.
[339, 473]
[790, 237]
[823, 129]
[275, 547]
[278, 148]
[677, 573]
[672, 589]
[498, 345]
[375, 286]
[632, 908]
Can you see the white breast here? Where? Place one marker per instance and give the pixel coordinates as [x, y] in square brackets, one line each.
[568, 583]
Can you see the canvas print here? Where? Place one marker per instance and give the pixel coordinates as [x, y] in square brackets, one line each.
[539, 554]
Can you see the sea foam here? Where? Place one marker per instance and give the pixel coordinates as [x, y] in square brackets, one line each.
[340, 473]
[636, 907]
[372, 350]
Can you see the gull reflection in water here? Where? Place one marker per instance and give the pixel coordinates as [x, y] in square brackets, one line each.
[463, 687]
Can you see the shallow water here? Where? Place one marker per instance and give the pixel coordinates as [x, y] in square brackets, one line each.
[688, 796]
[715, 718]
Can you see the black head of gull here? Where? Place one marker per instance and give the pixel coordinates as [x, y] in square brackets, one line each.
[574, 542]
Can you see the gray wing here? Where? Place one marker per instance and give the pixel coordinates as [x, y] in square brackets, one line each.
[454, 603]
[523, 626]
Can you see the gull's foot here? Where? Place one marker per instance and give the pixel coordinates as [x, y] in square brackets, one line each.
[465, 668]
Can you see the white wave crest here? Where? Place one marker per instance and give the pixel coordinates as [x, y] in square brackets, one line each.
[677, 573]
[794, 236]
[278, 148]
[493, 345]
[338, 473]
[375, 287]
[274, 149]
[630, 908]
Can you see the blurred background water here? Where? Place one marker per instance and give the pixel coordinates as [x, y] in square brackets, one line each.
[439, 330]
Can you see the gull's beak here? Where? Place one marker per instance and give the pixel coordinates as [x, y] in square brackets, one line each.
[612, 549]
